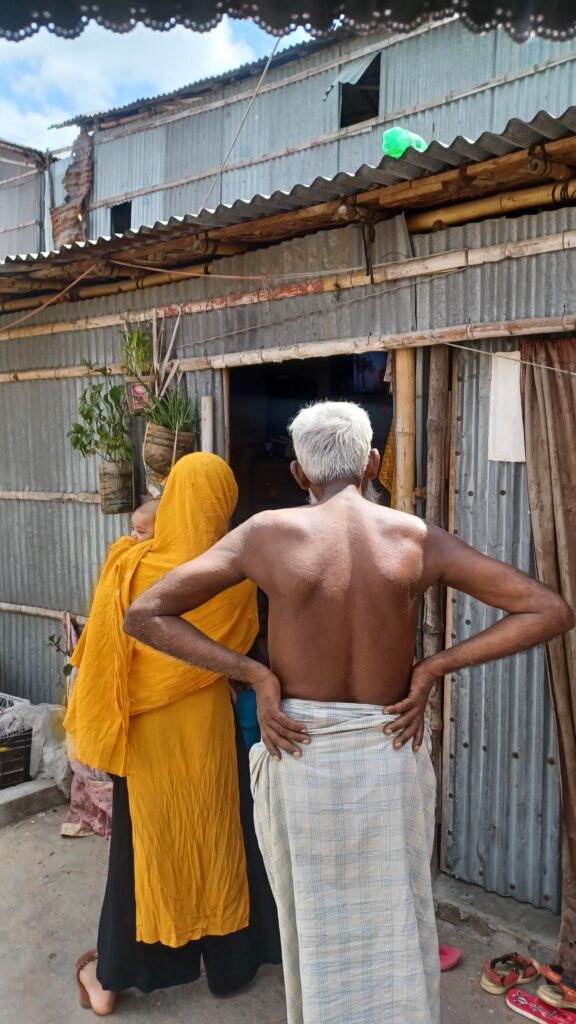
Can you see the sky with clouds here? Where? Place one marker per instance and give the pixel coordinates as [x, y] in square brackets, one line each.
[46, 80]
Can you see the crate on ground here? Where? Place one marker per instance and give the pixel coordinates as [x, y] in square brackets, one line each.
[15, 743]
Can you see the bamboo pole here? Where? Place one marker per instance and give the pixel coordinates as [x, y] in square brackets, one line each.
[405, 427]
[64, 497]
[341, 346]
[447, 696]
[207, 423]
[437, 427]
[41, 613]
[226, 405]
[561, 193]
[337, 282]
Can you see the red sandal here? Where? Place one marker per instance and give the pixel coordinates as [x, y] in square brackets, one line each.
[559, 991]
[505, 971]
[533, 1008]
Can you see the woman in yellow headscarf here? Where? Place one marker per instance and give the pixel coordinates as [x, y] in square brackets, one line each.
[185, 877]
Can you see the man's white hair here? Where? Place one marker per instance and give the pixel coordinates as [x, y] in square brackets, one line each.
[332, 441]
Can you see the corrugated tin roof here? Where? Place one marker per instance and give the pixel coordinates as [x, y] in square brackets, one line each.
[248, 70]
[437, 158]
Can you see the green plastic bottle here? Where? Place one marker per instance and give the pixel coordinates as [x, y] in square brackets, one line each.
[395, 142]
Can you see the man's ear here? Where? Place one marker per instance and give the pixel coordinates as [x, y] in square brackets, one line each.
[299, 475]
[373, 467]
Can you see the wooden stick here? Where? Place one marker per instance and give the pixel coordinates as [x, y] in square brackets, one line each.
[447, 709]
[41, 613]
[425, 266]
[437, 426]
[64, 497]
[207, 423]
[405, 428]
[561, 193]
[226, 410]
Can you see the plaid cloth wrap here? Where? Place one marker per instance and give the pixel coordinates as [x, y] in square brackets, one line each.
[346, 834]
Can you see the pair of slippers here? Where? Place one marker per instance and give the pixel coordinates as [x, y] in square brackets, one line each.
[505, 973]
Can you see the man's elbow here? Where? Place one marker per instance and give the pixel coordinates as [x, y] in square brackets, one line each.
[559, 615]
[136, 622]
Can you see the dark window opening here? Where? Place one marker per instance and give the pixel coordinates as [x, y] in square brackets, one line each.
[360, 102]
[120, 218]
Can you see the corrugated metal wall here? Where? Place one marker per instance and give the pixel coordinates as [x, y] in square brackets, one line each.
[502, 819]
[21, 203]
[52, 551]
[436, 83]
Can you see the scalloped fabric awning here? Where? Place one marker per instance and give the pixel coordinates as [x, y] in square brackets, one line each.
[550, 19]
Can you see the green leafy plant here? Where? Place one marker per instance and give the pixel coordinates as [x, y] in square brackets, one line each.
[173, 410]
[105, 427]
[137, 358]
[58, 645]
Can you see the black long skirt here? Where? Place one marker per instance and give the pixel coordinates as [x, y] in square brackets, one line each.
[230, 961]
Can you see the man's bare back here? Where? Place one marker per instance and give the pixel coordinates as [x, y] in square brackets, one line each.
[343, 579]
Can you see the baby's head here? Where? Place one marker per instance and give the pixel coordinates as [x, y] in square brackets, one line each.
[143, 520]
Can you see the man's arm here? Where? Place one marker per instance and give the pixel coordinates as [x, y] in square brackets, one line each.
[154, 619]
[535, 614]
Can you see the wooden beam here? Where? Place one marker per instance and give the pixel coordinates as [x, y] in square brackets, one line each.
[41, 613]
[61, 497]
[405, 428]
[559, 194]
[437, 429]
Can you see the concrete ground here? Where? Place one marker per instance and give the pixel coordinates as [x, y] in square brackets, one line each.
[50, 894]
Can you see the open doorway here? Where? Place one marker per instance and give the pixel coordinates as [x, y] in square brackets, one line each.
[263, 400]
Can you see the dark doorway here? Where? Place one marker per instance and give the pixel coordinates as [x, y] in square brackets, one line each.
[263, 400]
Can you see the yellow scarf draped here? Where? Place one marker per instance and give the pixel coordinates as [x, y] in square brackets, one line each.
[166, 725]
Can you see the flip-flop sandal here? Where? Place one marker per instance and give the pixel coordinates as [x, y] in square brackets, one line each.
[559, 991]
[87, 958]
[505, 971]
[449, 957]
[533, 1008]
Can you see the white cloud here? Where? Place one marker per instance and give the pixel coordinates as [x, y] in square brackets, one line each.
[46, 79]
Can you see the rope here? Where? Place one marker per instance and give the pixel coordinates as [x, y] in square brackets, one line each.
[241, 125]
[53, 298]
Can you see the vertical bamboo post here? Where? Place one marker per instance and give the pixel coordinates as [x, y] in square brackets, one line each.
[437, 427]
[206, 424]
[226, 409]
[405, 427]
[449, 611]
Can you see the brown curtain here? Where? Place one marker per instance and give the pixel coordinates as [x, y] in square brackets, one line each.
[549, 409]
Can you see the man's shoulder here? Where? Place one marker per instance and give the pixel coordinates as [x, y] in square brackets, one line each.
[273, 519]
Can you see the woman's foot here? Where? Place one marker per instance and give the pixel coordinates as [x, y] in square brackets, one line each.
[100, 1001]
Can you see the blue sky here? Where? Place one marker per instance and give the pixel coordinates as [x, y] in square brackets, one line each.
[46, 80]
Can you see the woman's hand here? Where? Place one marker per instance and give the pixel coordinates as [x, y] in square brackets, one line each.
[410, 722]
[278, 731]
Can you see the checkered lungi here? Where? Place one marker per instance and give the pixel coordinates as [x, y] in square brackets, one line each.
[346, 834]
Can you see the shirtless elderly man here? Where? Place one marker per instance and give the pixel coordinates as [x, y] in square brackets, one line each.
[345, 822]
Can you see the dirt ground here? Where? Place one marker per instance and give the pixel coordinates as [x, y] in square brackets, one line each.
[50, 894]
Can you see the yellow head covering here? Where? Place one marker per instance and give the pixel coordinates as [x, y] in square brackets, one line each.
[119, 677]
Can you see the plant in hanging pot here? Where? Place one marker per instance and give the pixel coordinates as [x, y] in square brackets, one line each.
[104, 429]
[171, 430]
[137, 363]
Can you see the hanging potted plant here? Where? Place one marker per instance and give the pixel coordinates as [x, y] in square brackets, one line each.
[104, 429]
[171, 430]
[137, 362]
